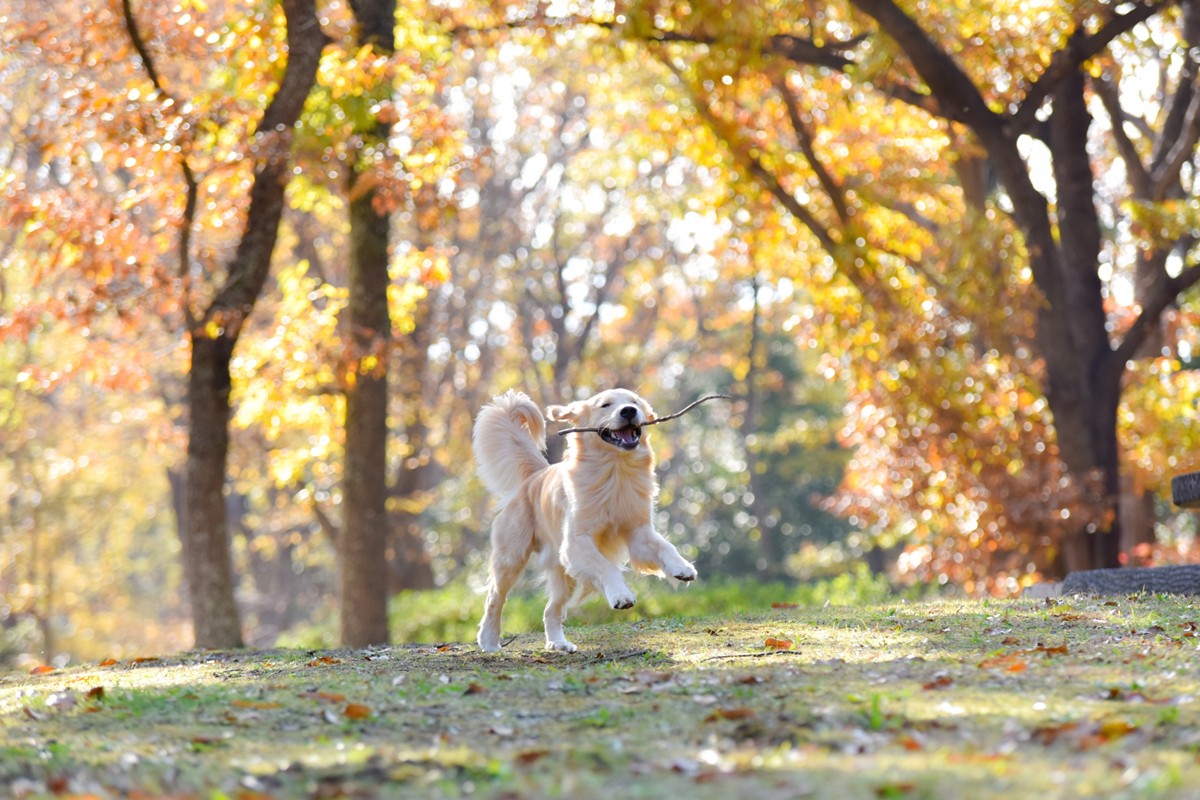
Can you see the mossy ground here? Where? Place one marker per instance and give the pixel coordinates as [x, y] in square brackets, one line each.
[940, 698]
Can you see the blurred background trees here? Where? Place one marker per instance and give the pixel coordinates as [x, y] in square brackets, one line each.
[942, 256]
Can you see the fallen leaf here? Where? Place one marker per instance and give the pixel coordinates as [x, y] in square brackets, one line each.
[36, 716]
[530, 756]
[41, 669]
[749, 680]
[785, 605]
[324, 660]
[730, 713]
[108, 662]
[1010, 662]
[145, 660]
[503, 731]
[324, 697]
[356, 711]
[940, 682]
[474, 688]
[95, 694]
[779, 644]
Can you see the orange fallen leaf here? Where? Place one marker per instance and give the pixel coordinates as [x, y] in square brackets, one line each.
[324, 660]
[144, 660]
[474, 688]
[1012, 662]
[96, 693]
[324, 697]
[785, 605]
[940, 682]
[356, 711]
[730, 713]
[108, 662]
[779, 644]
[41, 669]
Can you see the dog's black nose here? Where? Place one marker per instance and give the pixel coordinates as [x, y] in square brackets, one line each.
[629, 412]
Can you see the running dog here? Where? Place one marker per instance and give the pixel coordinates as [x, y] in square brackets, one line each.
[583, 517]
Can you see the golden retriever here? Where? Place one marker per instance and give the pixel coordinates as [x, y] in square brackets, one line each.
[583, 516]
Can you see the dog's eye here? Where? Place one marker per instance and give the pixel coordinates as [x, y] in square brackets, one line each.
[606, 405]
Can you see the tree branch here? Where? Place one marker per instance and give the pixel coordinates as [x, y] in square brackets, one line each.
[946, 80]
[1081, 46]
[804, 138]
[1107, 91]
[1165, 292]
[191, 182]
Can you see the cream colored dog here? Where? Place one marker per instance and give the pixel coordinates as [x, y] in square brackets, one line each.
[583, 516]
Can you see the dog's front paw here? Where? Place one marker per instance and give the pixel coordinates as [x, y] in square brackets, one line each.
[561, 646]
[686, 574]
[623, 601]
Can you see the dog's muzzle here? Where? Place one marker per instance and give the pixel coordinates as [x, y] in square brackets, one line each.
[627, 438]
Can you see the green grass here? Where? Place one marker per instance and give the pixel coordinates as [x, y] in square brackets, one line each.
[940, 698]
[451, 614]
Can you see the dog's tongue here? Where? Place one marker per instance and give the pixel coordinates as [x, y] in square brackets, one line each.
[626, 435]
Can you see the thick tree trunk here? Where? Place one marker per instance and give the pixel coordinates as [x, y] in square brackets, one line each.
[214, 334]
[362, 567]
[208, 565]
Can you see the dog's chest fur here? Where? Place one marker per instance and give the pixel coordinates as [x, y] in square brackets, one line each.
[618, 493]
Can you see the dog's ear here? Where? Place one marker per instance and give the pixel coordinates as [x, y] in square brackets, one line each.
[564, 413]
[647, 410]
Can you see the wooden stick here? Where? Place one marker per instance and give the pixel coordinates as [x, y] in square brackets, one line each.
[676, 415]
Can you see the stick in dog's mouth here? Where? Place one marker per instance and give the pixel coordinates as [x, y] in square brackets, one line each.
[610, 434]
[626, 438]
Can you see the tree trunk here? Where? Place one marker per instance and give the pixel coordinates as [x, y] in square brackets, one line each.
[363, 573]
[207, 563]
[362, 566]
[214, 334]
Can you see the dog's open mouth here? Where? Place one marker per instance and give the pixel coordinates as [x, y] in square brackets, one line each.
[624, 438]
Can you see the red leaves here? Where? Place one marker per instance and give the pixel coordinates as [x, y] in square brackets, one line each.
[779, 644]
[41, 669]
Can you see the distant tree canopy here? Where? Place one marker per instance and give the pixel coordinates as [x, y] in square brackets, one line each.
[943, 254]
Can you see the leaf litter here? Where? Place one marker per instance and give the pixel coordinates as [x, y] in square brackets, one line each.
[944, 698]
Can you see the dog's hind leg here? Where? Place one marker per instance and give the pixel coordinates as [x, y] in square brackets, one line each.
[559, 588]
[505, 568]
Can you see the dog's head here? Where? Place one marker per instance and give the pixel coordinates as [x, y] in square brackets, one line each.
[619, 414]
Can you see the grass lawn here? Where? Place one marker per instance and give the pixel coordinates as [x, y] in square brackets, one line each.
[938, 699]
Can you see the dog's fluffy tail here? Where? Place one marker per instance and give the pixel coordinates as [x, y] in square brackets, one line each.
[510, 434]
